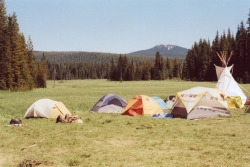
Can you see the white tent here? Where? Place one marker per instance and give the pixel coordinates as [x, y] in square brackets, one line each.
[227, 85]
[46, 108]
[199, 102]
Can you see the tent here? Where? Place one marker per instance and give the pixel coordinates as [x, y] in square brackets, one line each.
[110, 103]
[199, 102]
[169, 101]
[226, 84]
[160, 102]
[46, 108]
[142, 105]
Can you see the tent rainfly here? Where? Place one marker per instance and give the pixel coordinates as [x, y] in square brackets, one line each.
[46, 108]
[110, 103]
[199, 102]
[226, 84]
[160, 102]
[142, 105]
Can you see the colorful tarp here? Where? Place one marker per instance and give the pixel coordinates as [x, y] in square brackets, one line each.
[163, 115]
[234, 102]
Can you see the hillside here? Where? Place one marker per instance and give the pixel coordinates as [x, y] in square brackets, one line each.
[165, 50]
[89, 57]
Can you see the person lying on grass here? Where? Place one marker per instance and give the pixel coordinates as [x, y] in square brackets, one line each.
[68, 119]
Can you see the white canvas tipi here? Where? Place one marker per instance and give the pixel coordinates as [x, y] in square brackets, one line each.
[226, 83]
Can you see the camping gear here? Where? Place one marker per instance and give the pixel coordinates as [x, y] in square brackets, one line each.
[46, 108]
[199, 102]
[226, 84]
[234, 101]
[162, 115]
[160, 102]
[247, 105]
[142, 105]
[110, 103]
[170, 101]
[16, 121]
[247, 101]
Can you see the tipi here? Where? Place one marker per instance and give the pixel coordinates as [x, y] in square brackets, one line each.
[226, 84]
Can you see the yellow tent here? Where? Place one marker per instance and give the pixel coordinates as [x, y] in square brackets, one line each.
[142, 105]
[46, 108]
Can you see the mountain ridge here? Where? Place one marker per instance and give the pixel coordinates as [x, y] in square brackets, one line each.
[165, 50]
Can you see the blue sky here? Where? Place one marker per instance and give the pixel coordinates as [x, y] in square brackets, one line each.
[123, 26]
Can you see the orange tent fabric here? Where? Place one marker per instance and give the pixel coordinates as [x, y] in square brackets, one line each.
[142, 105]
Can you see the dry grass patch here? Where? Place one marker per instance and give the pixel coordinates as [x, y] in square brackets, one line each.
[121, 142]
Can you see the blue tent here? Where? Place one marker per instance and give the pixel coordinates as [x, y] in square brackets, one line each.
[160, 102]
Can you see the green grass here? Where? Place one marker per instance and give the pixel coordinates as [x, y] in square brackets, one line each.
[116, 140]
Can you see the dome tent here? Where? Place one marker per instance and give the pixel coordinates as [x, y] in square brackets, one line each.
[46, 108]
[199, 102]
[142, 105]
[110, 103]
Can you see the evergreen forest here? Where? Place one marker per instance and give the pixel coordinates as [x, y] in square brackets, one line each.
[18, 68]
[201, 58]
[22, 68]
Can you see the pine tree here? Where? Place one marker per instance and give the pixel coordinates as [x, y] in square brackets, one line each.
[119, 69]
[158, 67]
[26, 80]
[176, 72]
[125, 68]
[247, 73]
[15, 49]
[43, 72]
[240, 53]
[132, 71]
[31, 61]
[4, 48]
[112, 72]
[169, 67]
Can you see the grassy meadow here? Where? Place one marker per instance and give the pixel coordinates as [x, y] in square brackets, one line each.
[116, 140]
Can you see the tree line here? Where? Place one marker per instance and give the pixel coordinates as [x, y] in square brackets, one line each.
[159, 69]
[89, 57]
[123, 69]
[200, 60]
[18, 68]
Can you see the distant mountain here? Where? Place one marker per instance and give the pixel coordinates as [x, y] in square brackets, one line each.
[165, 50]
